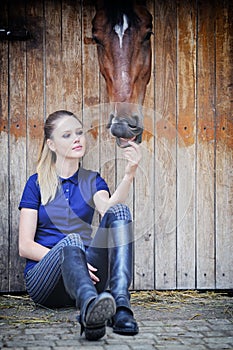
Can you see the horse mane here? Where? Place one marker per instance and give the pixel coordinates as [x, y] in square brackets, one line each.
[115, 9]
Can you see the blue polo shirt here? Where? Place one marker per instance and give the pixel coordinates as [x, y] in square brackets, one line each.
[71, 210]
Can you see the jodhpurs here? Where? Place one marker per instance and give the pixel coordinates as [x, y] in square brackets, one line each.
[44, 281]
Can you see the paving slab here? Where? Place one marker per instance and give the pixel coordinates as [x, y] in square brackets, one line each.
[176, 320]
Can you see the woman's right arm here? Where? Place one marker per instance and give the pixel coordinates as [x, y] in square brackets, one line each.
[28, 248]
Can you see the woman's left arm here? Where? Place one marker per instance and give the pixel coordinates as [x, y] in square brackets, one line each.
[101, 198]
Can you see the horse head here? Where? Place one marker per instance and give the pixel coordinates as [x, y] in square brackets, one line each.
[122, 30]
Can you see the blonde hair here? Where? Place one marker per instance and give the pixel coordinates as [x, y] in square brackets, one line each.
[46, 168]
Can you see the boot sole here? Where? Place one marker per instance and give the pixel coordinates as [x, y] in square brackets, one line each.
[102, 309]
[125, 331]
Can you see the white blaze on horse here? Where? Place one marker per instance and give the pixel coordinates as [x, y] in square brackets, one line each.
[122, 31]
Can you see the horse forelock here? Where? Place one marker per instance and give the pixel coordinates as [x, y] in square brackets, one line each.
[115, 11]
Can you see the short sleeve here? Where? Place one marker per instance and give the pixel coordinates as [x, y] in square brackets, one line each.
[31, 197]
[101, 184]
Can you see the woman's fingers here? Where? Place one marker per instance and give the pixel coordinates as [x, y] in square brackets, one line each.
[92, 269]
[133, 153]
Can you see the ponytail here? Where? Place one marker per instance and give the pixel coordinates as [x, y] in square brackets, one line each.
[47, 176]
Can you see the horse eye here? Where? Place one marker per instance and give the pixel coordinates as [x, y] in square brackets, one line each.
[147, 36]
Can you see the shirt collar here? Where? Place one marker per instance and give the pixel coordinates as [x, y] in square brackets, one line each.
[73, 178]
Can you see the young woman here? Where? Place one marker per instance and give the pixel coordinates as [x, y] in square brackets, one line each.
[65, 265]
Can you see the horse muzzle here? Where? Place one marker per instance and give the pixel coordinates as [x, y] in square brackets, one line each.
[125, 130]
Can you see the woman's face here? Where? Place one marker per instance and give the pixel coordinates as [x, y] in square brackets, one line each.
[68, 140]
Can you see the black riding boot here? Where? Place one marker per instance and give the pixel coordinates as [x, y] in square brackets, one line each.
[121, 260]
[95, 309]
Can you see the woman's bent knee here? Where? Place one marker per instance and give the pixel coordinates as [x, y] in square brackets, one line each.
[120, 211]
[73, 239]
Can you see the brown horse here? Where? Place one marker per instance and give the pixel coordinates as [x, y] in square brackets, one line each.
[122, 31]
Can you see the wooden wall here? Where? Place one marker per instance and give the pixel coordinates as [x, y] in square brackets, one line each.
[182, 198]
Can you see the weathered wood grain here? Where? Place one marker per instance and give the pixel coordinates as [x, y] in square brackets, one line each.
[205, 239]
[54, 89]
[90, 95]
[165, 145]
[224, 145]
[71, 55]
[4, 168]
[186, 127]
[17, 143]
[108, 151]
[35, 83]
[143, 199]
[90, 91]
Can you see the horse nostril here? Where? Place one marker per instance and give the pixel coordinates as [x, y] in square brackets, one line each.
[134, 122]
[132, 126]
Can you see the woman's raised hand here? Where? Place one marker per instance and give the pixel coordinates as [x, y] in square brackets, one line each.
[133, 155]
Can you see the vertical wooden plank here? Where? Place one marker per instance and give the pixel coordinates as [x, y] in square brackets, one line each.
[4, 163]
[35, 83]
[72, 55]
[144, 191]
[120, 164]
[17, 143]
[224, 149]
[90, 88]
[108, 148]
[90, 94]
[205, 147]
[165, 144]
[186, 123]
[53, 56]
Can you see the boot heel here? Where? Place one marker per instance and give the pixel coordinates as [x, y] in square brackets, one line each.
[93, 334]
